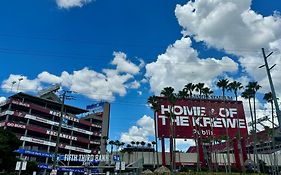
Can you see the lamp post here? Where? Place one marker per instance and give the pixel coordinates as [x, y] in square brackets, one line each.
[20, 79]
[55, 158]
[13, 82]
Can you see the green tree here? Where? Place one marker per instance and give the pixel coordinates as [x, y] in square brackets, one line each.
[234, 87]
[154, 144]
[207, 91]
[250, 93]
[182, 94]
[154, 105]
[8, 143]
[133, 143]
[223, 84]
[269, 98]
[168, 92]
[142, 147]
[190, 87]
[199, 88]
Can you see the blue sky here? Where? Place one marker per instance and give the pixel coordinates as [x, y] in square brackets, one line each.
[125, 51]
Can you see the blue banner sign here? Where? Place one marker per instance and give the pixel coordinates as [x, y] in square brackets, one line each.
[98, 107]
[34, 153]
[49, 167]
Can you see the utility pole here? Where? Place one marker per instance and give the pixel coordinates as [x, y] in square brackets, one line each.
[55, 159]
[278, 113]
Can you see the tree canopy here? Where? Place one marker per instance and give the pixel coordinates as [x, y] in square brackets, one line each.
[8, 143]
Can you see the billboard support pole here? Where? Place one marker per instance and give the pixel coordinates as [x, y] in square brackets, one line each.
[244, 149]
[171, 151]
[236, 154]
[163, 151]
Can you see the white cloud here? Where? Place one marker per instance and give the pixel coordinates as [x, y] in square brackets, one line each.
[20, 83]
[134, 85]
[2, 99]
[228, 24]
[124, 65]
[143, 129]
[180, 64]
[49, 78]
[99, 86]
[71, 3]
[232, 25]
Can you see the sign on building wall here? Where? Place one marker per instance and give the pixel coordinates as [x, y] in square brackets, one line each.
[193, 118]
[97, 107]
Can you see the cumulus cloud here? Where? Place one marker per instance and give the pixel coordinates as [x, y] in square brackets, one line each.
[71, 3]
[228, 24]
[2, 99]
[139, 132]
[232, 26]
[124, 65]
[49, 78]
[134, 85]
[103, 85]
[20, 83]
[180, 64]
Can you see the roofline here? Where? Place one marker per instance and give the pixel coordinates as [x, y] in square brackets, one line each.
[24, 95]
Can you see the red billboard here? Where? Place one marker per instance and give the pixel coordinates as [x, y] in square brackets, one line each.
[201, 117]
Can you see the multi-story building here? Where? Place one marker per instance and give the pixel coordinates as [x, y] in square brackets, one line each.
[35, 121]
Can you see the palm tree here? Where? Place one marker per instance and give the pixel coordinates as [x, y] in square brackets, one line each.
[129, 152]
[182, 94]
[198, 141]
[149, 145]
[168, 92]
[207, 91]
[133, 143]
[117, 143]
[254, 86]
[142, 143]
[199, 88]
[142, 148]
[137, 143]
[249, 94]
[154, 143]
[189, 88]
[235, 86]
[269, 98]
[111, 143]
[153, 102]
[223, 84]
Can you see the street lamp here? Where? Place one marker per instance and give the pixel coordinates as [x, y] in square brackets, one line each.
[20, 79]
[13, 82]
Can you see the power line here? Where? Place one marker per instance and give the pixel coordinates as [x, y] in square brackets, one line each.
[97, 58]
